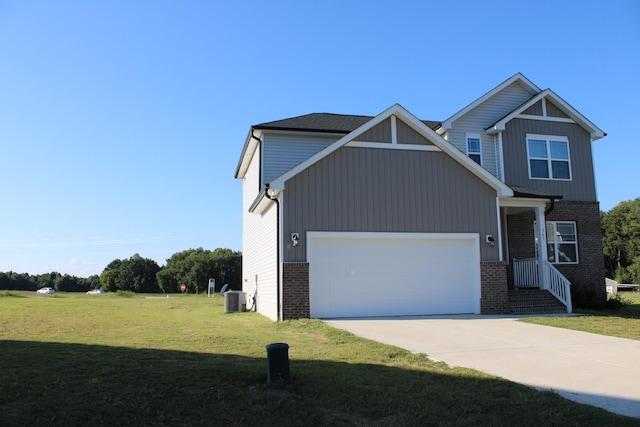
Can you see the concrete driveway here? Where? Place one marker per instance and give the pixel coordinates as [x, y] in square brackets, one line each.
[587, 368]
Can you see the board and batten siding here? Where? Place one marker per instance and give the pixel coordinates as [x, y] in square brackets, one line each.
[484, 115]
[582, 185]
[259, 257]
[379, 133]
[281, 152]
[387, 190]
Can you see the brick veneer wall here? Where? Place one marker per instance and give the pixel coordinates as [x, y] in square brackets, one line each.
[586, 277]
[295, 290]
[494, 294]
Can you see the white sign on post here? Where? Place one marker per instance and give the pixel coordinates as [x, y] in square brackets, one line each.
[211, 290]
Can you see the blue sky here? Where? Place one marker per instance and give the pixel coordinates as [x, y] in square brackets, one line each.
[121, 122]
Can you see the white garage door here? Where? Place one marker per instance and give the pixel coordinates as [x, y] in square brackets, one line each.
[391, 274]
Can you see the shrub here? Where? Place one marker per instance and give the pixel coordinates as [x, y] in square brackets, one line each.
[615, 302]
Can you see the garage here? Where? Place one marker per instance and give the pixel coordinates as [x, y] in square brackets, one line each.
[393, 274]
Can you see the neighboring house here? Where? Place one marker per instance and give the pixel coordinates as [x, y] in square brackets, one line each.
[349, 216]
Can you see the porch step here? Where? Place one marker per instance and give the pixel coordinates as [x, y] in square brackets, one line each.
[533, 301]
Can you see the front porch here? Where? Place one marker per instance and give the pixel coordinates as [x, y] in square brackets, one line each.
[534, 284]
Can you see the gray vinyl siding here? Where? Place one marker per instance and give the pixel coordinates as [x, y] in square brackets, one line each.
[406, 135]
[534, 110]
[481, 117]
[281, 152]
[379, 133]
[386, 190]
[554, 111]
[582, 185]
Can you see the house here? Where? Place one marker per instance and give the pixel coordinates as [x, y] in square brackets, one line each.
[352, 216]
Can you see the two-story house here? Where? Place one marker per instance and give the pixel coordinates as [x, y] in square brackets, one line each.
[350, 216]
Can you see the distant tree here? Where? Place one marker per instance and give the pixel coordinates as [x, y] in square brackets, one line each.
[136, 274]
[621, 241]
[194, 268]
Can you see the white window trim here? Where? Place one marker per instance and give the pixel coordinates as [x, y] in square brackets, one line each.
[551, 240]
[547, 139]
[466, 142]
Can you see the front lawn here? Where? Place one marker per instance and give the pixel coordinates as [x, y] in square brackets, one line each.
[623, 322]
[76, 359]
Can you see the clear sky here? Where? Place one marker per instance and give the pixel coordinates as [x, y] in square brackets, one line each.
[122, 122]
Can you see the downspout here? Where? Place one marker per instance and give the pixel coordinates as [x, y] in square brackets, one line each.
[550, 208]
[275, 199]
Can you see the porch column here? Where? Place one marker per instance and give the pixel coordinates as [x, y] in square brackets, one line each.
[542, 247]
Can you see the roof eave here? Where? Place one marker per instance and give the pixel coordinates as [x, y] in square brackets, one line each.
[248, 150]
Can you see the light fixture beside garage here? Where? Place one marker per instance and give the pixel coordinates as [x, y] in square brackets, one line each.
[295, 239]
[490, 240]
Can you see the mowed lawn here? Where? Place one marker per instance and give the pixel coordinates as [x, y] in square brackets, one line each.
[76, 360]
[623, 322]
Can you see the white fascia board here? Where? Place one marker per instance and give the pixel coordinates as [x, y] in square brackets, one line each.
[521, 202]
[518, 77]
[278, 183]
[250, 146]
[565, 107]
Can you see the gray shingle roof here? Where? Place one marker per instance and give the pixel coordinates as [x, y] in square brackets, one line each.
[325, 122]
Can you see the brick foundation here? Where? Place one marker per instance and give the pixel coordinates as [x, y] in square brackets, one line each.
[295, 290]
[494, 296]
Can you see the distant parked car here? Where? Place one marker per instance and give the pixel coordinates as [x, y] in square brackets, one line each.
[46, 291]
[95, 291]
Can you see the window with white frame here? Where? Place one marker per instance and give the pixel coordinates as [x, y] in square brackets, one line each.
[474, 147]
[548, 157]
[562, 242]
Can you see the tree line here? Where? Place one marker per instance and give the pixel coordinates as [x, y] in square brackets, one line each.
[621, 241]
[192, 267]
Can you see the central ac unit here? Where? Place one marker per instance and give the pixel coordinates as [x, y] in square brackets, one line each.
[235, 301]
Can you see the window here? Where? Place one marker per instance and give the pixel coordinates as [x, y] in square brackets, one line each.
[548, 157]
[562, 242]
[474, 147]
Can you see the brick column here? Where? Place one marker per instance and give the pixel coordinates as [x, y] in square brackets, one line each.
[494, 295]
[295, 290]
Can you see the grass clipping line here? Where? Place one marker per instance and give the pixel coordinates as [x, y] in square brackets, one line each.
[103, 360]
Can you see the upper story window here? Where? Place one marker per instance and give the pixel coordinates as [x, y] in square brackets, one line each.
[474, 147]
[548, 157]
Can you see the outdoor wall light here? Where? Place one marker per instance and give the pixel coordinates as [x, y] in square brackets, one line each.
[295, 239]
[490, 240]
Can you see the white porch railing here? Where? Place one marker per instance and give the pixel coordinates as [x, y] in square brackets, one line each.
[559, 286]
[526, 274]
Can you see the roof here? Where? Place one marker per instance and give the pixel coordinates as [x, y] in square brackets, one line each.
[325, 122]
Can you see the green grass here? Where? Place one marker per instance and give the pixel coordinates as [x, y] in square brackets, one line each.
[623, 322]
[76, 359]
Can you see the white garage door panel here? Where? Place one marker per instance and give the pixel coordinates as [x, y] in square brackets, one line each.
[352, 276]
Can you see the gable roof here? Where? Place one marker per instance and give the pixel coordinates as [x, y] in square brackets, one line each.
[516, 78]
[314, 122]
[419, 126]
[325, 122]
[595, 131]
